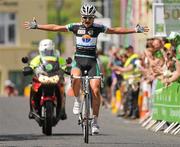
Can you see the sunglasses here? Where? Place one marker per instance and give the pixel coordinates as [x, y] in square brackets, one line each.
[88, 17]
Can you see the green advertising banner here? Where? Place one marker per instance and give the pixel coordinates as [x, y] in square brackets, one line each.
[166, 102]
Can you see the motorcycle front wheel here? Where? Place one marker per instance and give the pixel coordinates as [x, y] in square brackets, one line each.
[48, 118]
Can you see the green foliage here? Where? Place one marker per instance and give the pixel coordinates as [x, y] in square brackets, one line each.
[70, 12]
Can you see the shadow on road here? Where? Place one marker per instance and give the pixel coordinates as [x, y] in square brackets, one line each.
[21, 137]
[68, 134]
[18, 137]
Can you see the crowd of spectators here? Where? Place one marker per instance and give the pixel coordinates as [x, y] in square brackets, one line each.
[127, 69]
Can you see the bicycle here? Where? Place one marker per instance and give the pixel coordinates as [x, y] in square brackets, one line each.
[86, 113]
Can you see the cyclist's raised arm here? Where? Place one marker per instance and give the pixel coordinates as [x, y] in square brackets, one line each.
[48, 27]
[52, 27]
[121, 30]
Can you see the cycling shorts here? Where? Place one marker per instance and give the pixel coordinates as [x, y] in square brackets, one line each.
[89, 64]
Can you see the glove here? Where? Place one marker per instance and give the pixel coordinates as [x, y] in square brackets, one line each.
[33, 24]
[27, 71]
[139, 29]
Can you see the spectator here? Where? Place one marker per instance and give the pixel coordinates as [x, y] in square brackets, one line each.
[10, 89]
[116, 78]
[175, 39]
[131, 74]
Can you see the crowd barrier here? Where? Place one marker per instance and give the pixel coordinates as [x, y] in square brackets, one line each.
[165, 113]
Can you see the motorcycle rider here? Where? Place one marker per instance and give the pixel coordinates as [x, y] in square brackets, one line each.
[47, 52]
[86, 33]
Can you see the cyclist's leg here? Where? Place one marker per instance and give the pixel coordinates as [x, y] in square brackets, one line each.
[95, 87]
[96, 102]
[76, 82]
[76, 90]
[75, 71]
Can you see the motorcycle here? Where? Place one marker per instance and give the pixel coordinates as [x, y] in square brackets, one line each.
[47, 100]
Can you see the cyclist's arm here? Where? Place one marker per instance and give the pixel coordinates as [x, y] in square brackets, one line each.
[48, 27]
[52, 27]
[119, 30]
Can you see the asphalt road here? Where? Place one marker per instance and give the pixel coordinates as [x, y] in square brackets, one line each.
[17, 130]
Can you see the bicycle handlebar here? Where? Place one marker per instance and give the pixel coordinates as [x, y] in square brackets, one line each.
[88, 77]
[83, 77]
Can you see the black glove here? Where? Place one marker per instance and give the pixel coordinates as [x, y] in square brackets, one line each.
[33, 24]
[139, 29]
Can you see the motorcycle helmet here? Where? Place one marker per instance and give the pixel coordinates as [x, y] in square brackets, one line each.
[46, 48]
[88, 10]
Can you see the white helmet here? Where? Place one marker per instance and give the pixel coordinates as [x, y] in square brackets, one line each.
[46, 47]
[9, 83]
[88, 10]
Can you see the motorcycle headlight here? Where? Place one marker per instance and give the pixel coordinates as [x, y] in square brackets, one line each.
[54, 79]
[43, 79]
[48, 80]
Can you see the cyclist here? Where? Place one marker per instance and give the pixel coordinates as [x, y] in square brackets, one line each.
[47, 53]
[86, 33]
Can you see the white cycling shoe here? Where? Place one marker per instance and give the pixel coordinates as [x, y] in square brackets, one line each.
[76, 107]
[95, 127]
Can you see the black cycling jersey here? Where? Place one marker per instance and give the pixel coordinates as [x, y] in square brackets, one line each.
[86, 38]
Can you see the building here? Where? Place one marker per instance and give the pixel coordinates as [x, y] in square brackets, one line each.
[135, 12]
[17, 42]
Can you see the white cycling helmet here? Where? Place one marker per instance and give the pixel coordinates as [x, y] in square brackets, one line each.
[46, 47]
[88, 10]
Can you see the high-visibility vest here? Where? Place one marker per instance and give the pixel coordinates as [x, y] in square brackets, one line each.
[36, 61]
[134, 71]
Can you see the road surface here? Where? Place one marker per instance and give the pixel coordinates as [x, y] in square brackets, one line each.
[17, 130]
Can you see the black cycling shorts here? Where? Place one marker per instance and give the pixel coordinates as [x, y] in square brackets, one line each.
[88, 64]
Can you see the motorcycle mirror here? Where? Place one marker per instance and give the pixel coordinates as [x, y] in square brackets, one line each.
[69, 60]
[25, 59]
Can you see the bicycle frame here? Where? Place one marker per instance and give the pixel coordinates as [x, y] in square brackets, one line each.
[86, 114]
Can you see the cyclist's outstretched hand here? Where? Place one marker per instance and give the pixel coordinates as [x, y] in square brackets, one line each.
[31, 24]
[141, 29]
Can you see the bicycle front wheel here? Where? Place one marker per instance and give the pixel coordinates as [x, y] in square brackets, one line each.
[86, 119]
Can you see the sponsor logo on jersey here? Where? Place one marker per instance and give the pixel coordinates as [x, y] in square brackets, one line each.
[90, 32]
[81, 32]
[86, 38]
